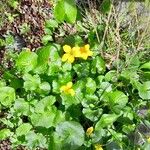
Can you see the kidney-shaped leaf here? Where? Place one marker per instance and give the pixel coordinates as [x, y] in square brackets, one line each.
[71, 134]
[7, 96]
[26, 61]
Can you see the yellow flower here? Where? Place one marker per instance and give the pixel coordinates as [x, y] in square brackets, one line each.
[148, 139]
[70, 53]
[98, 147]
[85, 52]
[89, 131]
[68, 89]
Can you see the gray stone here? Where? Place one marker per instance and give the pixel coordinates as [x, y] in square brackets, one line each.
[130, 12]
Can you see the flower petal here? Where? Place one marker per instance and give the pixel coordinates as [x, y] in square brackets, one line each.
[65, 57]
[84, 56]
[87, 47]
[76, 51]
[90, 53]
[98, 147]
[69, 84]
[71, 59]
[71, 91]
[63, 88]
[67, 48]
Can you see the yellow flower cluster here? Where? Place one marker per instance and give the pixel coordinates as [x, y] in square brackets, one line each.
[72, 53]
[89, 131]
[67, 89]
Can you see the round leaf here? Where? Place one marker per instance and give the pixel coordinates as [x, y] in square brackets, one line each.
[26, 61]
[7, 96]
[71, 134]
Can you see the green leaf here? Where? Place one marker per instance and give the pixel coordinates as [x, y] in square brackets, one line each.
[129, 75]
[31, 82]
[90, 86]
[45, 104]
[66, 67]
[93, 115]
[7, 96]
[104, 87]
[64, 77]
[44, 119]
[51, 23]
[59, 11]
[54, 53]
[23, 129]
[70, 11]
[21, 106]
[69, 100]
[78, 88]
[146, 66]
[55, 87]
[82, 69]
[2, 83]
[53, 69]
[43, 59]
[105, 6]
[89, 99]
[35, 140]
[26, 61]
[4, 134]
[117, 100]
[71, 134]
[144, 90]
[105, 121]
[46, 39]
[111, 76]
[98, 65]
[44, 88]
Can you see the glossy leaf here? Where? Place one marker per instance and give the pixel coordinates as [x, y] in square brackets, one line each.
[26, 61]
[146, 66]
[105, 121]
[7, 96]
[59, 11]
[31, 82]
[71, 134]
[43, 59]
[23, 129]
[90, 86]
[70, 11]
[4, 134]
[144, 90]
[21, 106]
